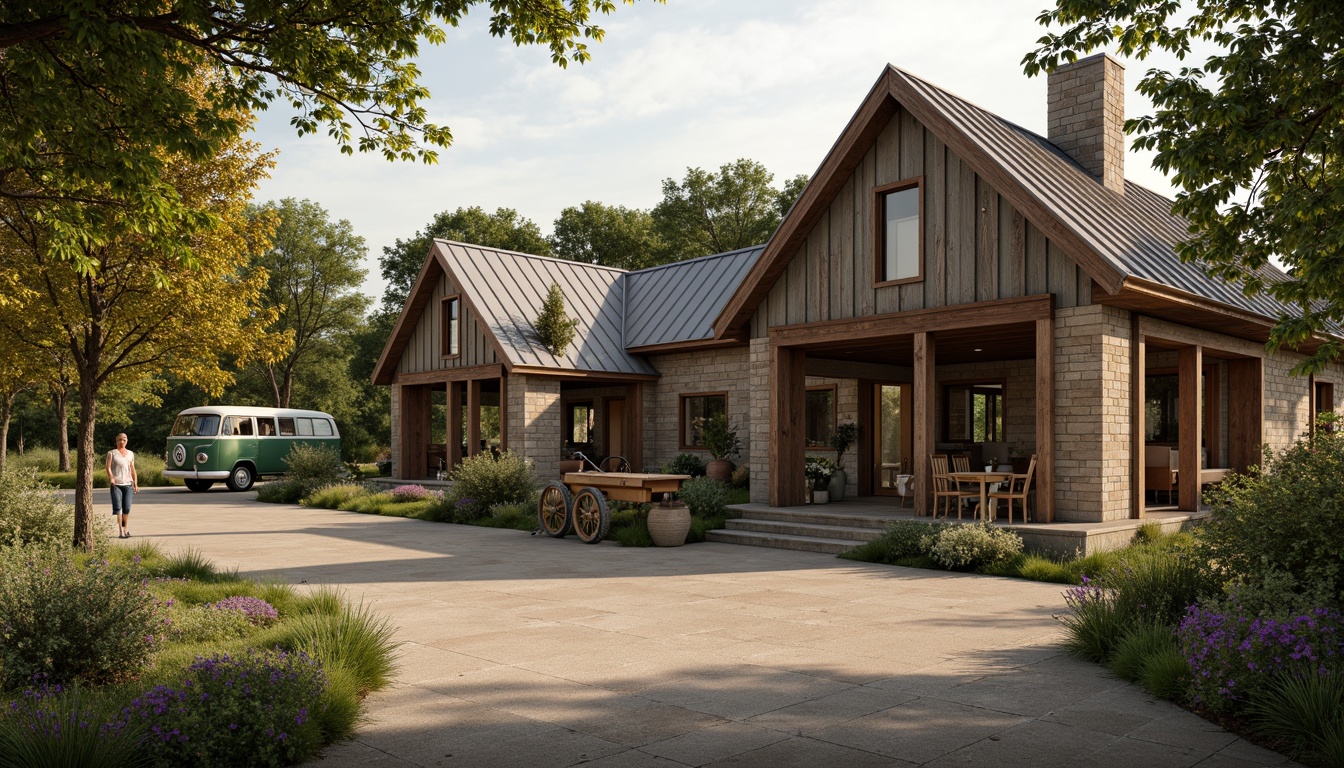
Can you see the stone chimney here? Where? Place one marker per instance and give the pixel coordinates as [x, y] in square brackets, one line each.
[1087, 116]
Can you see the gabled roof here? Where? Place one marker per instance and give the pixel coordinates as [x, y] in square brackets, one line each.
[678, 302]
[1112, 237]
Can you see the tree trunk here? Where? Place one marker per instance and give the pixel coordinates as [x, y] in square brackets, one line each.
[84, 464]
[61, 397]
[4, 433]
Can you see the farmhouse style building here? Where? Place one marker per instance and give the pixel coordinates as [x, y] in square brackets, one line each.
[947, 280]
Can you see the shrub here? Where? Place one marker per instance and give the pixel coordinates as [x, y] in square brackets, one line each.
[73, 619]
[351, 636]
[33, 512]
[741, 477]
[704, 497]
[1038, 568]
[333, 496]
[313, 466]
[1287, 519]
[39, 458]
[967, 547]
[1155, 586]
[256, 710]
[1307, 715]
[1139, 644]
[1234, 657]
[258, 612]
[1092, 625]
[201, 623]
[287, 491]
[482, 481]
[1166, 674]
[520, 517]
[686, 464]
[188, 564]
[411, 493]
[554, 327]
[149, 471]
[51, 725]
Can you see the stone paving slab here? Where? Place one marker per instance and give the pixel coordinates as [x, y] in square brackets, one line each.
[522, 650]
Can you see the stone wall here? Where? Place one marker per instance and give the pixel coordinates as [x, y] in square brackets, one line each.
[535, 419]
[396, 430]
[684, 373]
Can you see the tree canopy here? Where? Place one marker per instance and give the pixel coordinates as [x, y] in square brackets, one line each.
[1253, 137]
[611, 235]
[715, 212]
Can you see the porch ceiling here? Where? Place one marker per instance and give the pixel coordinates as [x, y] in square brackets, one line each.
[1012, 341]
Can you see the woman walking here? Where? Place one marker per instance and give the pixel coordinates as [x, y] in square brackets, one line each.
[124, 482]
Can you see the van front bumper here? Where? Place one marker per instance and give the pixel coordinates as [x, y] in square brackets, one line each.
[191, 474]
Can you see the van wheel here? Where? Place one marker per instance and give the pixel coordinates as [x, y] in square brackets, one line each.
[198, 485]
[241, 478]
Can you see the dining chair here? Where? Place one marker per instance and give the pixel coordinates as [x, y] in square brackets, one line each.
[945, 489]
[1018, 488]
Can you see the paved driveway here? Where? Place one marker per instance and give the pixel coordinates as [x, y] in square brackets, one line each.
[527, 651]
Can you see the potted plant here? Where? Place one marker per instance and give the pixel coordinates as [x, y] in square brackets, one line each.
[1020, 458]
[819, 471]
[844, 436]
[720, 439]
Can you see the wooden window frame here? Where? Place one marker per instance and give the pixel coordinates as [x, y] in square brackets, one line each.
[681, 417]
[880, 225]
[446, 337]
[945, 421]
[569, 421]
[1213, 409]
[835, 417]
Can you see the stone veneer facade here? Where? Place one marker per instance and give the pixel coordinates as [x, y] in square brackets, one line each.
[686, 373]
[535, 417]
[1086, 116]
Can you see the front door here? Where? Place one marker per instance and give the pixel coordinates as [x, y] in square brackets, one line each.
[615, 427]
[891, 435]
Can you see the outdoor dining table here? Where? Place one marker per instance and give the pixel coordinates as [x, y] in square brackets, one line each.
[984, 479]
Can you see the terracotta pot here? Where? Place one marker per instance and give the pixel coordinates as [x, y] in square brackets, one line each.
[668, 525]
[720, 469]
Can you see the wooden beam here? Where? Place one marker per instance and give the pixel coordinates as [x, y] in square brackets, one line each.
[1189, 365]
[561, 373]
[503, 413]
[877, 327]
[1138, 443]
[1213, 421]
[736, 339]
[787, 428]
[634, 426]
[1045, 420]
[923, 393]
[467, 373]
[454, 431]
[864, 450]
[1245, 413]
[416, 404]
[473, 417]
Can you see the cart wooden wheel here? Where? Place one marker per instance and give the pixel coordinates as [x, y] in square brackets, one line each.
[592, 515]
[553, 510]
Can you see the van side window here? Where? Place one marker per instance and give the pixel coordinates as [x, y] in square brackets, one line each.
[305, 426]
[321, 427]
[286, 426]
[265, 427]
[238, 425]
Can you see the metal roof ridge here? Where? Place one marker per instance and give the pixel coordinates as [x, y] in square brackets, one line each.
[706, 257]
[555, 259]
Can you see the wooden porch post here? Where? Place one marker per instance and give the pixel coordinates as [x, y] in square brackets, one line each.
[634, 426]
[923, 392]
[473, 417]
[1246, 412]
[1138, 409]
[1045, 420]
[787, 401]
[454, 431]
[1189, 364]
[416, 401]
[503, 412]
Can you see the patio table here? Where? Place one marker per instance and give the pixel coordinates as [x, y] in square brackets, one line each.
[984, 479]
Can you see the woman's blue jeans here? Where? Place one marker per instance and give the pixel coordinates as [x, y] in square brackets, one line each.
[121, 499]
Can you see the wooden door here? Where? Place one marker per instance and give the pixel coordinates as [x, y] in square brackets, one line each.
[615, 427]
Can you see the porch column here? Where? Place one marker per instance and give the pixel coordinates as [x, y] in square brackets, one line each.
[787, 429]
[1246, 412]
[416, 401]
[1189, 363]
[503, 413]
[1138, 367]
[634, 426]
[473, 417]
[1045, 420]
[923, 426]
[454, 431]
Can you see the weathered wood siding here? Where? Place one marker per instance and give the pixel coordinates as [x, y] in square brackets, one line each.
[977, 246]
[422, 351]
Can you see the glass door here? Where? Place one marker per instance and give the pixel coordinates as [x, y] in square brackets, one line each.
[891, 436]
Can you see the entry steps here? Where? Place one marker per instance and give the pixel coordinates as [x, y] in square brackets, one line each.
[809, 531]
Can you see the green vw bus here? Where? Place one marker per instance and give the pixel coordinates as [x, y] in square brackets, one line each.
[238, 444]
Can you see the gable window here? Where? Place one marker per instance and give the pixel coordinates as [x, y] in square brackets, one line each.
[449, 342]
[696, 411]
[819, 416]
[899, 233]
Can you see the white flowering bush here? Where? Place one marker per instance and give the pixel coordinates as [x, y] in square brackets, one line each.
[33, 512]
[967, 547]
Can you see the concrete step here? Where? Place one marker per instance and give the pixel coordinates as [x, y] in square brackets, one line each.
[790, 528]
[781, 541]
[809, 517]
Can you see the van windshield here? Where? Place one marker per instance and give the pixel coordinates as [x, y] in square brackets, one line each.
[196, 425]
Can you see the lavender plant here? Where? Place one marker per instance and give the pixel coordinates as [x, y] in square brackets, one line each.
[258, 612]
[51, 724]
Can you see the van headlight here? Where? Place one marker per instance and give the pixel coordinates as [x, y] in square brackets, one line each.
[202, 457]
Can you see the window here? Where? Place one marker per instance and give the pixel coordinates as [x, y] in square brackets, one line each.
[696, 411]
[265, 426]
[819, 415]
[1325, 396]
[449, 328]
[238, 425]
[286, 427]
[1161, 408]
[198, 425]
[899, 233]
[322, 428]
[974, 412]
[579, 429]
[305, 426]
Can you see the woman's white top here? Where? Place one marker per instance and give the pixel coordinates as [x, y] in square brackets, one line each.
[121, 466]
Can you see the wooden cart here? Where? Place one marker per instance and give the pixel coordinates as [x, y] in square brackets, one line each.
[578, 503]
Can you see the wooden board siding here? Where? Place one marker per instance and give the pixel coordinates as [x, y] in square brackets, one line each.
[977, 245]
[422, 352]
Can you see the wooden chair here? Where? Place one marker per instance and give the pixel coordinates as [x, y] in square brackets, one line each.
[1018, 488]
[945, 489]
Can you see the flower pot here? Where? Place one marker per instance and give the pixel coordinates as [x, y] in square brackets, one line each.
[836, 488]
[720, 469]
[820, 497]
[668, 525]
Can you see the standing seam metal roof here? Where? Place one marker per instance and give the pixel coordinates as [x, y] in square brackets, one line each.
[680, 301]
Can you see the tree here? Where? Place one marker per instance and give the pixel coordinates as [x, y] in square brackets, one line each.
[554, 326]
[16, 376]
[312, 287]
[711, 213]
[1253, 138]
[98, 96]
[611, 235]
[134, 310]
[504, 229]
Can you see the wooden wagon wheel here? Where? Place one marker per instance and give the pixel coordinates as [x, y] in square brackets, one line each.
[553, 510]
[592, 515]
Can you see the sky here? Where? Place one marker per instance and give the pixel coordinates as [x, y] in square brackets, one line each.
[693, 83]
